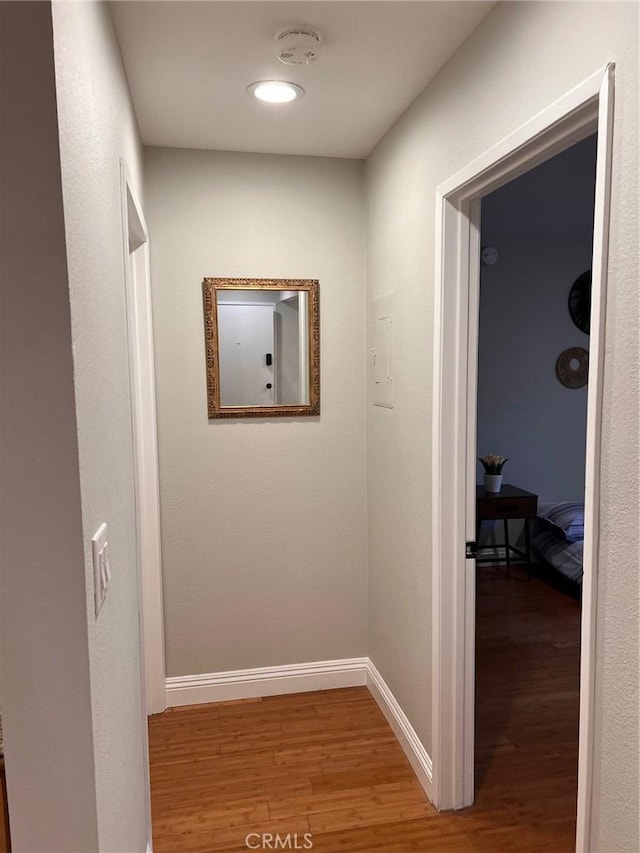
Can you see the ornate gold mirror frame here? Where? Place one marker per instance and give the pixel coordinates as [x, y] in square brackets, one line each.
[211, 287]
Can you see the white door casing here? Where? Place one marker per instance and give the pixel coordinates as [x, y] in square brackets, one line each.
[145, 467]
[145, 443]
[584, 110]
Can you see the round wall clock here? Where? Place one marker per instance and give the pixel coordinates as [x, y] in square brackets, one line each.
[572, 367]
[580, 301]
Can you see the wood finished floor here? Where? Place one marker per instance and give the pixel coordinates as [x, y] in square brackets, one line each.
[327, 762]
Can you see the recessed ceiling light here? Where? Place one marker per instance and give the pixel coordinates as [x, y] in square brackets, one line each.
[275, 91]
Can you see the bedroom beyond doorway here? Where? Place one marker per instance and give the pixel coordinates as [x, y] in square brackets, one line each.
[533, 352]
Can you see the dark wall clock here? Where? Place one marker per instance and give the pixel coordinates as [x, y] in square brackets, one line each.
[580, 301]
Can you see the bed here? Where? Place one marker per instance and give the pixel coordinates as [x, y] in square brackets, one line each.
[560, 540]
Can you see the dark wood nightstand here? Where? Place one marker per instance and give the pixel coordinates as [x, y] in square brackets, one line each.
[509, 502]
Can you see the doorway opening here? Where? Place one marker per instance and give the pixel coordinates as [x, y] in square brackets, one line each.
[145, 444]
[145, 467]
[582, 112]
[531, 402]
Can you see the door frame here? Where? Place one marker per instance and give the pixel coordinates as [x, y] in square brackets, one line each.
[582, 111]
[135, 238]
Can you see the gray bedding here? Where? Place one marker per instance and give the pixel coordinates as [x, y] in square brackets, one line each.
[564, 556]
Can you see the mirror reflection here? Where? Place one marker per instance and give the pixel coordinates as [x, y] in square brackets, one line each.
[263, 347]
[262, 341]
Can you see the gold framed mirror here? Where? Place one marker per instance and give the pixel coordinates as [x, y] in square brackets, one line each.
[262, 338]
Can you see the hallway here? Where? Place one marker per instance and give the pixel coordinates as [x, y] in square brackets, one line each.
[327, 763]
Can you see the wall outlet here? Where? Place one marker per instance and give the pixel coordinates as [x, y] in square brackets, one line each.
[101, 570]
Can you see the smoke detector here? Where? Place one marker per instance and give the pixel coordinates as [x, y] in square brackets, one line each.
[298, 46]
[489, 255]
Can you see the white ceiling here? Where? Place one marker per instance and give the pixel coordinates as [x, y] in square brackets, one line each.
[189, 63]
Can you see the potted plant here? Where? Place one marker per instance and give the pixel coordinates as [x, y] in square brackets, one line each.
[493, 465]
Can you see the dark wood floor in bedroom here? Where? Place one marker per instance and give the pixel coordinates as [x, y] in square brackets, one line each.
[327, 763]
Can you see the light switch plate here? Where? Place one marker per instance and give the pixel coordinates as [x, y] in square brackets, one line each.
[101, 570]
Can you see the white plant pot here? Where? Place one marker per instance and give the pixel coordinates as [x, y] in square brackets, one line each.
[492, 483]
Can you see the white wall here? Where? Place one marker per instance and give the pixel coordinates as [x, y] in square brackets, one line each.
[521, 58]
[263, 521]
[97, 128]
[46, 702]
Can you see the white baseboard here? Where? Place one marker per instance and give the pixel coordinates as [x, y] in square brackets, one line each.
[266, 681]
[407, 738]
[301, 678]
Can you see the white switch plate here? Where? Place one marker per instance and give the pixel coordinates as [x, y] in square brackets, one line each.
[101, 570]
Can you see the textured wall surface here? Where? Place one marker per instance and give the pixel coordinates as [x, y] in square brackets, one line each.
[97, 128]
[263, 521]
[520, 59]
[46, 701]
